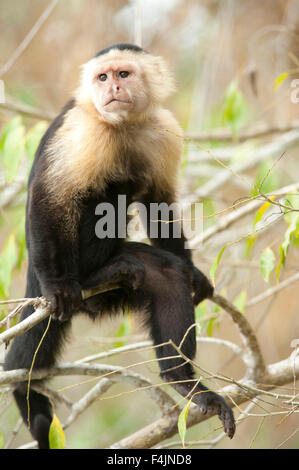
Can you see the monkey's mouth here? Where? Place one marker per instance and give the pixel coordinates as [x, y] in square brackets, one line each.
[116, 100]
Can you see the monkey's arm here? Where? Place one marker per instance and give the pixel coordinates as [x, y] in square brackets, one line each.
[53, 251]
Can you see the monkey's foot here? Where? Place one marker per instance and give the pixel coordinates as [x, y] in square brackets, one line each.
[211, 403]
[202, 287]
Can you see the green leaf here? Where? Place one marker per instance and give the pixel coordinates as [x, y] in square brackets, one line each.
[249, 244]
[280, 79]
[292, 218]
[125, 329]
[201, 310]
[234, 108]
[215, 265]
[1, 441]
[56, 435]
[21, 240]
[293, 221]
[240, 301]
[33, 138]
[8, 128]
[182, 422]
[208, 210]
[267, 178]
[267, 263]
[8, 259]
[13, 149]
[210, 326]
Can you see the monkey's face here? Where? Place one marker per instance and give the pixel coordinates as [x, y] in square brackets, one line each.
[117, 90]
[124, 85]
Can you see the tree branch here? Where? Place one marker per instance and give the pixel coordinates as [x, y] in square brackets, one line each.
[277, 374]
[280, 145]
[28, 38]
[226, 135]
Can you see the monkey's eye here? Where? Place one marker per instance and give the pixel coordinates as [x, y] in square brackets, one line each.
[123, 74]
[103, 77]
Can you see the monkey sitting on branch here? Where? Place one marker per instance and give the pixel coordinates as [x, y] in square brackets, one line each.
[110, 140]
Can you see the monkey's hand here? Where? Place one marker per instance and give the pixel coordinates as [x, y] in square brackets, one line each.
[202, 287]
[65, 298]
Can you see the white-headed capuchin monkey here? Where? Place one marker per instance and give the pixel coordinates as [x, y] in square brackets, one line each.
[109, 141]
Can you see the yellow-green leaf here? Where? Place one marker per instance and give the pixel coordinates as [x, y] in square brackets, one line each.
[215, 265]
[33, 137]
[280, 79]
[182, 422]
[8, 260]
[1, 441]
[13, 150]
[240, 301]
[56, 435]
[262, 210]
[267, 263]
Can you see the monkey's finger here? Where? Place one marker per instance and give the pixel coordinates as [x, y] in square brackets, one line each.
[54, 301]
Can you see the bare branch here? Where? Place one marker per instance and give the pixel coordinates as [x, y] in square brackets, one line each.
[28, 38]
[276, 374]
[247, 207]
[254, 359]
[42, 311]
[273, 290]
[16, 106]
[253, 133]
[255, 156]
[99, 371]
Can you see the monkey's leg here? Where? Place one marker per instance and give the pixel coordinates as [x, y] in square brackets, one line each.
[124, 268]
[20, 355]
[172, 317]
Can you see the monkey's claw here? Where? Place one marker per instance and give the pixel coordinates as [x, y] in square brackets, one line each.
[212, 403]
[65, 299]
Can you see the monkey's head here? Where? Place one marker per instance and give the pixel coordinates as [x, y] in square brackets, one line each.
[123, 83]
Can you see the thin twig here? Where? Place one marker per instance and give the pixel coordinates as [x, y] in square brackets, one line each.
[16, 106]
[225, 135]
[248, 206]
[254, 359]
[273, 290]
[28, 38]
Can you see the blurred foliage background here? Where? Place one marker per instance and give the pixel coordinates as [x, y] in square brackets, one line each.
[235, 63]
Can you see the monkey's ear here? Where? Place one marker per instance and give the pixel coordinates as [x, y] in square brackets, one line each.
[158, 77]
